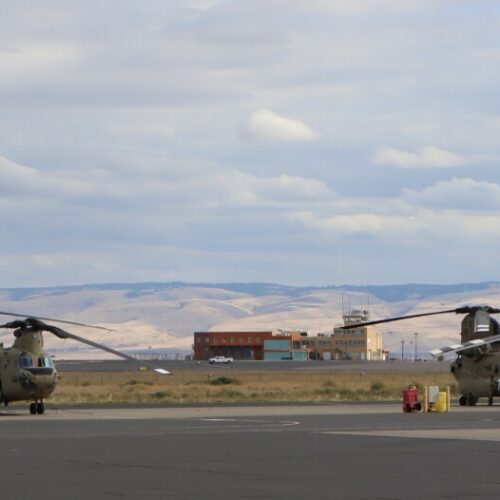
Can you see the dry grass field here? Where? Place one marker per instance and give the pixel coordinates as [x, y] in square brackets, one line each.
[195, 387]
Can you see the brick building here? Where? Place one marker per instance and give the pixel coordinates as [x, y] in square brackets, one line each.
[237, 345]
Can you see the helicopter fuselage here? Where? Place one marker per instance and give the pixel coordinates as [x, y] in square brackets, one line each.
[478, 375]
[27, 372]
[477, 370]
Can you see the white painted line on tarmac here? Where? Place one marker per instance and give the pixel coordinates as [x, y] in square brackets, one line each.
[455, 434]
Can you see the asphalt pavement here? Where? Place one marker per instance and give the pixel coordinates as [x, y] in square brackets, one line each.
[346, 451]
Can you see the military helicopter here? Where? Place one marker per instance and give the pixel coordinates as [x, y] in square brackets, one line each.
[477, 366]
[27, 372]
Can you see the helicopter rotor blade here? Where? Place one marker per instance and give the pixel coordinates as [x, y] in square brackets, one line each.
[458, 310]
[463, 347]
[18, 323]
[397, 318]
[63, 334]
[4, 313]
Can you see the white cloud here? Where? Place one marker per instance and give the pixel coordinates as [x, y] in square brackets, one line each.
[246, 190]
[14, 172]
[434, 231]
[176, 186]
[29, 60]
[269, 126]
[20, 181]
[428, 157]
[464, 194]
[360, 224]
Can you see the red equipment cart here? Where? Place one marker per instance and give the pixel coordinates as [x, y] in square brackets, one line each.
[410, 400]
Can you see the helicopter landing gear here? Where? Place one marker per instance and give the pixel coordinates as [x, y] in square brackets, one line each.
[38, 407]
[468, 400]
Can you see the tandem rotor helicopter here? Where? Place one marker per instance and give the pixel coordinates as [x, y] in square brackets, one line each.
[27, 372]
[477, 366]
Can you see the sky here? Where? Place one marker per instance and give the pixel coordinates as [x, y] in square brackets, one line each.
[306, 142]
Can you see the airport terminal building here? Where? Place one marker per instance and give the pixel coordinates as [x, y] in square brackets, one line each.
[360, 343]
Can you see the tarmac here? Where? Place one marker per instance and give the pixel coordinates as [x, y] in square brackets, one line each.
[314, 451]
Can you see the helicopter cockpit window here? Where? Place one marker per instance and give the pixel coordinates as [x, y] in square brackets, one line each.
[45, 362]
[25, 360]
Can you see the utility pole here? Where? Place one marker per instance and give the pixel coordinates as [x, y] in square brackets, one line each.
[415, 356]
[402, 350]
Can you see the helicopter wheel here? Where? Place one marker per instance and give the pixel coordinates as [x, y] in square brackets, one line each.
[462, 401]
[33, 408]
[471, 399]
[40, 408]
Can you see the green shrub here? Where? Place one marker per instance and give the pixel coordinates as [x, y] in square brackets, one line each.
[377, 386]
[137, 382]
[347, 394]
[223, 381]
[161, 394]
[326, 391]
[329, 383]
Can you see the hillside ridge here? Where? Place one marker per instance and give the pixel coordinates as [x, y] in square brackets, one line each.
[164, 315]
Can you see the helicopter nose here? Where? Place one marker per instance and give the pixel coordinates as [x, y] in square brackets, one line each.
[41, 380]
[40, 371]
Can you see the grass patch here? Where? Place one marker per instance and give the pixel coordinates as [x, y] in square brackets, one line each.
[161, 394]
[258, 386]
[377, 386]
[326, 391]
[329, 383]
[229, 394]
[223, 381]
[137, 382]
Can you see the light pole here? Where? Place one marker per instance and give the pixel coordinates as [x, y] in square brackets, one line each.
[416, 350]
[402, 350]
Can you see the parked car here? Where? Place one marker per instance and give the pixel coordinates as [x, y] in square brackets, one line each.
[218, 360]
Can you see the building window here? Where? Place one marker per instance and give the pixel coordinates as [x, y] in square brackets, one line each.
[257, 340]
[233, 340]
[206, 340]
[250, 340]
[241, 340]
